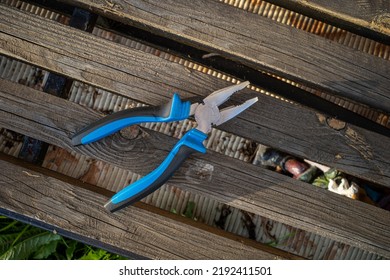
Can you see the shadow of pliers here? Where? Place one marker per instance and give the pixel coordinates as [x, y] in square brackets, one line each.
[206, 115]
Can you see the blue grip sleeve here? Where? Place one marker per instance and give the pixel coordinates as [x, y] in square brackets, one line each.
[191, 142]
[175, 110]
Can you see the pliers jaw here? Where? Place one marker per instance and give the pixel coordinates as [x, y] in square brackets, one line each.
[208, 114]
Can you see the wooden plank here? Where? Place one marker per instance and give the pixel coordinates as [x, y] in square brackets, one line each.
[224, 179]
[367, 17]
[241, 72]
[152, 80]
[33, 150]
[78, 213]
[277, 48]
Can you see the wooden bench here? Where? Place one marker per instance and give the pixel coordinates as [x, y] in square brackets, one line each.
[139, 54]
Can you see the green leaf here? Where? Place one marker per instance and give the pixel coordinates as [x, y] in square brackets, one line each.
[189, 212]
[6, 241]
[9, 226]
[46, 250]
[25, 248]
[11, 237]
[71, 249]
[332, 174]
[94, 254]
[278, 242]
[321, 182]
[21, 241]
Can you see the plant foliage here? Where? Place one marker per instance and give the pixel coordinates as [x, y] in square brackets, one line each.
[19, 241]
[323, 180]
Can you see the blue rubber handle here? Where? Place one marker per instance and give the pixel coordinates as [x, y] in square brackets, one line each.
[191, 142]
[175, 110]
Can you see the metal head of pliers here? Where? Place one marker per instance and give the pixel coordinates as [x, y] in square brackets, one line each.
[206, 113]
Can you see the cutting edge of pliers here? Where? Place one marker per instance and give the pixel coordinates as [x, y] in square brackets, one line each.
[206, 113]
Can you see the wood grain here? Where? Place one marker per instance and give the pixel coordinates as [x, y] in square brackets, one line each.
[367, 17]
[152, 80]
[233, 182]
[75, 212]
[260, 43]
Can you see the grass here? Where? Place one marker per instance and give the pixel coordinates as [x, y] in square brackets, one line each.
[19, 241]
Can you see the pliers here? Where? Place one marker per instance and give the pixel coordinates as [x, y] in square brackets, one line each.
[206, 114]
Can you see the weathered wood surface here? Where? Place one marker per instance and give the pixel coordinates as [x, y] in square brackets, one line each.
[152, 80]
[362, 16]
[224, 179]
[260, 43]
[72, 211]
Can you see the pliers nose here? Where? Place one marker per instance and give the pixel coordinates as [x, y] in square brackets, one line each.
[206, 114]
